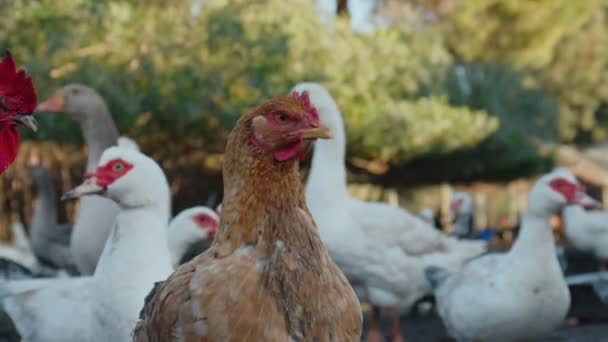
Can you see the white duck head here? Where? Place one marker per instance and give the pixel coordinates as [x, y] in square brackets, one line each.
[461, 204]
[129, 178]
[191, 227]
[555, 190]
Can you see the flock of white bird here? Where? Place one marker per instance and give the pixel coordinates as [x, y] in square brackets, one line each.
[124, 242]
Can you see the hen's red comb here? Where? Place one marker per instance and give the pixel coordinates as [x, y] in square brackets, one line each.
[17, 92]
[305, 100]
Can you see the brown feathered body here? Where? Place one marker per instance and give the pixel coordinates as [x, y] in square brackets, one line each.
[267, 276]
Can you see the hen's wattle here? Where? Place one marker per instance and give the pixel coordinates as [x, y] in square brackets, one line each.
[17, 102]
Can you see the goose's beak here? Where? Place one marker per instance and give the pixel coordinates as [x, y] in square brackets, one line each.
[55, 103]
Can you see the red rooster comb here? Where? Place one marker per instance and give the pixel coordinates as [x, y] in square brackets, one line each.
[17, 92]
[305, 100]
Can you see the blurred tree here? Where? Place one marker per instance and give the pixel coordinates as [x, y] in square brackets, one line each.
[171, 72]
[565, 43]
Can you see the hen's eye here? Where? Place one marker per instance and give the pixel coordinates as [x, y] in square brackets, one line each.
[282, 117]
[118, 167]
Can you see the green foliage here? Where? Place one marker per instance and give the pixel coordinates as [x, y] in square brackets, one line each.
[168, 73]
[564, 42]
[526, 114]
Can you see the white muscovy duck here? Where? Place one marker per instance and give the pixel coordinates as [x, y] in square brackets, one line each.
[96, 214]
[428, 216]
[191, 232]
[381, 249]
[520, 295]
[105, 306]
[463, 210]
[588, 230]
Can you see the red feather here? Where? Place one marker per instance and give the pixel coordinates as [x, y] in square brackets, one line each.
[17, 92]
[9, 144]
[17, 97]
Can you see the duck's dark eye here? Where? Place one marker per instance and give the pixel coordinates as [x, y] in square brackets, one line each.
[118, 167]
[75, 91]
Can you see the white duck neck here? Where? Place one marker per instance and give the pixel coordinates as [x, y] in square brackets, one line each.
[327, 178]
[572, 215]
[138, 241]
[535, 240]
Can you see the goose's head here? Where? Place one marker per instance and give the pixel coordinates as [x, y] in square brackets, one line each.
[128, 177]
[79, 102]
[557, 189]
[329, 114]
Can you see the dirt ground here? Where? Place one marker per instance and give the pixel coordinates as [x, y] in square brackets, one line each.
[431, 329]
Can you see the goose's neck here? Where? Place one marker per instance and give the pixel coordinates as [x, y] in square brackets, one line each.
[327, 178]
[99, 132]
[44, 217]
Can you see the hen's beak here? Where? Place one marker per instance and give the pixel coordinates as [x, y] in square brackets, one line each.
[27, 120]
[319, 131]
[56, 103]
[88, 187]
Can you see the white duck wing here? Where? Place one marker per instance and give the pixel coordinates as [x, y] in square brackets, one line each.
[396, 227]
[56, 313]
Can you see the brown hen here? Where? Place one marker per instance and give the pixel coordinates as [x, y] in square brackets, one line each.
[267, 276]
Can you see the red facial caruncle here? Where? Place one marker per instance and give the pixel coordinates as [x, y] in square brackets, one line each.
[206, 222]
[456, 204]
[571, 191]
[110, 172]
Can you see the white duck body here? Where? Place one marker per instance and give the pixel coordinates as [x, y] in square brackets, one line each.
[588, 230]
[381, 249]
[516, 296]
[105, 306]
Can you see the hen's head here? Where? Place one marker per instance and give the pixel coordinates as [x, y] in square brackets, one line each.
[17, 102]
[285, 126]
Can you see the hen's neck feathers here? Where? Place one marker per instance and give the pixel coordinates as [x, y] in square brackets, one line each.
[261, 197]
